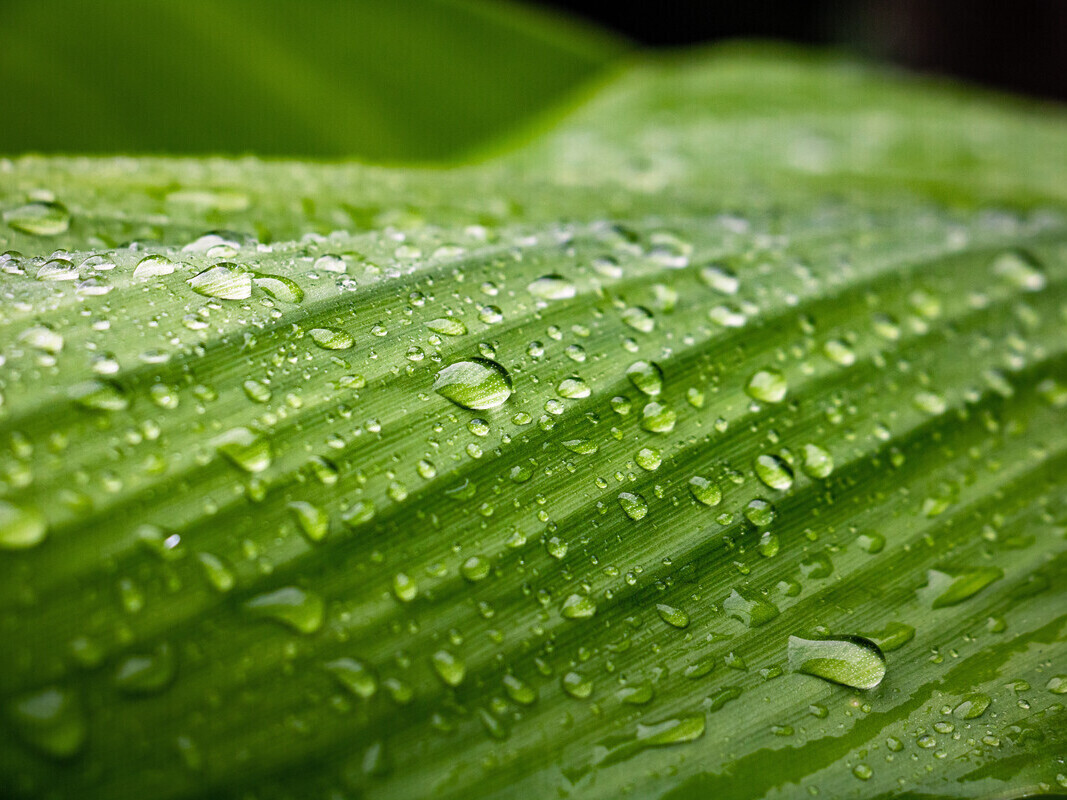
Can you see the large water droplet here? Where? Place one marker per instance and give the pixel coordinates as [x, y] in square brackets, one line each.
[313, 521]
[767, 386]
[21, 527]
[50, 720]
[153, 267]
[39, 218]
[223, 281]
[675, 617]
[818, 463]
[578, 606]
[721, 279]
[100, 396]
[657, 418]
[849, 660]
[279, 287]
[475, 384]
[573, 388]
[705, 491]
[447, 326]
[296, 608]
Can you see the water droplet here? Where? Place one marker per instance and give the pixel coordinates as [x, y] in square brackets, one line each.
[892, 637]
[720, 697]
[244, 448]
[153, 267]
[578, 606]
[217, 573]
[639, 318]
[863, 772]
[705, 491]
[447, 326]
[657, 418]
[767, 386]
[449, 667]
[475, 568]
[774, 472]
[147, 673]
[648, 458]
[677, 730]
[100, 396]
[839, 352]
[39, 218]
[850, 661]
[519, 691]
[314, 523]
[871, 542]
[331, 263]
[951, 586]
[972, 706]
[750, 608]
[256, 391]
[1019, 269]
[577, 685]
[279, 287]
[818, 463]
[634, 505]
[301, 610]
[573, 388]
[584, 447]
[331, 338]
[50, 720]
[930, 402]
[223, 281]
[404, 587]
[646, 376]
[57, 269]
[675, 617]
[43, 338]
[727, 316]
[353, 675]
[476, 384]
[721, 279]
[760, 512]
[21, 527]
[636, 694]
[552, 287]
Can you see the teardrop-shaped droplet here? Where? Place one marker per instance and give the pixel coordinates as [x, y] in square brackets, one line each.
[152, 267]
[750, 608]
[147, 673]
[675, 617]
[573, 388]
[578, 606]
[296, 608]
[552, 287]
[947, 587]
[1019, 269]
[314, 523]
[476, 384]
[850, 660]
[279, 287]
[449, 667]
[447, 326]
[657, 418]
[818, 463]
[705, 491]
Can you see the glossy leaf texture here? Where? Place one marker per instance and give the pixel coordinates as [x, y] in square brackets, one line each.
[516, 479]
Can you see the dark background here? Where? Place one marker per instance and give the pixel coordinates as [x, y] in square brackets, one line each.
[1014, 45]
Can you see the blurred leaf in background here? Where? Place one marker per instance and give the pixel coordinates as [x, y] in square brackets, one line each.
[377, 80]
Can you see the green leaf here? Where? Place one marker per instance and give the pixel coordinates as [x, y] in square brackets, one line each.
[380, 80]
[518, 478]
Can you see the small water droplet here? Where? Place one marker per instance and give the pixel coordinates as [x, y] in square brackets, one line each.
[1021, 270]
[972, 706]
[818, 463]
[153, 267]
[476, 384]
[279, 287]
[639, 318]
[947, 587]
[930, 402]
[573, 388]
[721, 279]
[577, 685]
[675, 617]
[657, 418]
[147, 673]
[314, 523]
[850, 661]
[750, 608]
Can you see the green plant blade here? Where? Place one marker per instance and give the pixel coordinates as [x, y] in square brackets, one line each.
[412, 80]
[765, 378]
